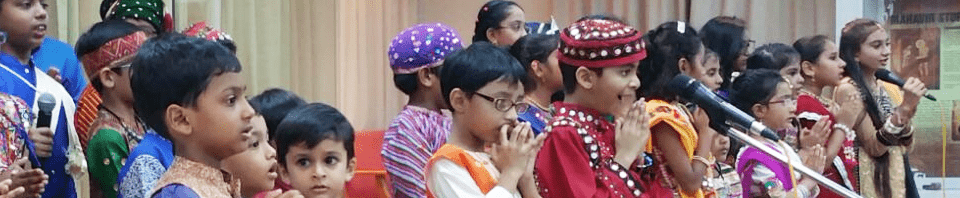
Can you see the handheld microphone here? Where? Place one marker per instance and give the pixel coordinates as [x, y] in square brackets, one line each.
[887, 76]
[694, 91]
[45, 103]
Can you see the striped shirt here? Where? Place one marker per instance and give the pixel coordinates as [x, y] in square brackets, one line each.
[413, 136]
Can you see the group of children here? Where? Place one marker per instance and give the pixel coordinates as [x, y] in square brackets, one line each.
[163, 114]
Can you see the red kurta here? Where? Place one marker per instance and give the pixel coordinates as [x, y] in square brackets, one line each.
[577, 158]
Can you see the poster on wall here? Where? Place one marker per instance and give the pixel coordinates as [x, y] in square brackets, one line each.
[925, 39]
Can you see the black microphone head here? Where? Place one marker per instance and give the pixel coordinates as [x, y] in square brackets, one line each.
[46, 102]
[890, 77]
[681, 85]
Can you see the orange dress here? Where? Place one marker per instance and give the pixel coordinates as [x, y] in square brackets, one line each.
[663, 184]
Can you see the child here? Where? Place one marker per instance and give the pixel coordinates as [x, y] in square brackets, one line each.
[763, 94]
[315, 145]
[585, 153]
[500, 22]
[482, 86]
[107, 50]
[538, 54]
[780, 57]
[821, 66]
[710, 74]
[682, 138]
[274, 104]
[255, 167]
[420, 128]
[16, 149]
[201, 109]
[26, 56]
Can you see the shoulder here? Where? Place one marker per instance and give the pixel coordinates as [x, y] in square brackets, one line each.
[175, 190]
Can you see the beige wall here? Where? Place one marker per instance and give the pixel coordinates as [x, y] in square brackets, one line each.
[333, 50]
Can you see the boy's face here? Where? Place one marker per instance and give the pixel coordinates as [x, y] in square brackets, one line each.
[25, 21]
[321, 171]
[221, 121]
[617, 87]
[779, 112]
[481, 115]
[257, 167]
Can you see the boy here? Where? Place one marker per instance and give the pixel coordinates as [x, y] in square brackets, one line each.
[107, 50]
[482, 85]
[26, 56]
[315, 147]
[190, 91]
[420, 128]
[585, 155]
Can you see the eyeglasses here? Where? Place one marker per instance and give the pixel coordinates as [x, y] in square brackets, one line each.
[117, 68]
[504, 105]
[516, 27]
[787, 101]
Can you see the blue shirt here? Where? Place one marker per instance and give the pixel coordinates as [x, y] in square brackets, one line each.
[54, 53]
[537, 118]
[60, 183]
[145, 164]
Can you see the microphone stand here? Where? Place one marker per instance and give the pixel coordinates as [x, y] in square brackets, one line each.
[743, 137]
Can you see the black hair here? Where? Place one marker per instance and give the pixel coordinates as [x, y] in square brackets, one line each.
[98, 35]
[104, 8]
[534, 47]
[274, 104]
[773, 56]
[754, 86]
[709, 54]
[854, 33]
[811, 47]
[229, 44]
[569, 74]
[175, 69]
[665, 47]
[724, 35]
[474, 67]
[311, 124]
[490, 16]
[409, 83]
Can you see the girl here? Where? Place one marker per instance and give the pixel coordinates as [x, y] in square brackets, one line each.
[684, 150]
[765, 95]
[500, 22]
[883, 126]
[821, 66]
[726, 35]
[779, 57]
[538, 54]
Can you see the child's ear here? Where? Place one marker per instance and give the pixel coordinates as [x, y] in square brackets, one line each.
[284, 173]
[178, 120]
[351, 168]
[458, 100]
[585, 77]
[425, 77]
[806, 68]
[684, 66]
[106, 78]
[759, 110]
[538, 69]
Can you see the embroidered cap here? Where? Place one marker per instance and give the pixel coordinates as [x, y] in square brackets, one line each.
[597, 43]
[422, 46]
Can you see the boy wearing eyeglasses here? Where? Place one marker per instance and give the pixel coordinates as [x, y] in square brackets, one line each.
[488, 152]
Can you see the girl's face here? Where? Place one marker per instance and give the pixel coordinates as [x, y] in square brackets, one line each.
[875, 51]
[792, 73]
[552, 79]
[778, 112]
[829, 66]
[510, 29]
[720, 147]
[257, 167]
[710, 73]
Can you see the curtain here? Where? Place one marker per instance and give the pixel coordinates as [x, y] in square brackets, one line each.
[333, 51]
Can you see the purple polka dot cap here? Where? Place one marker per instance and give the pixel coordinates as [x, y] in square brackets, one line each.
[422, 46]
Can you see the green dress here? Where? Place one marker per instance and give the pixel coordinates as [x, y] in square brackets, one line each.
[107, 152]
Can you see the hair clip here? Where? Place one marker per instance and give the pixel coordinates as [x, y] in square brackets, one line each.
[485, 8]
[681, 27]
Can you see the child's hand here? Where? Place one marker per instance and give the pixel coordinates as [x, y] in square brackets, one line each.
[6, 192]
[813, 158]
[31, 180]
[55, 74]
[510, 155]
[632, 133]
[43, 141]
[850, 107]
[815, 135]
[532, 156]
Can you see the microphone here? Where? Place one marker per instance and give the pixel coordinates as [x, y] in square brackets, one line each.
[692, 90]
[46, 102]
[887, 76]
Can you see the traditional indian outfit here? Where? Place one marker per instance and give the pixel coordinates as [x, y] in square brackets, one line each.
[663, 184]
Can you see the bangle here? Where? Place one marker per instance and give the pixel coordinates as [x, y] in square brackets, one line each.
[850, 135]
[892, 129]
[703, 160]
